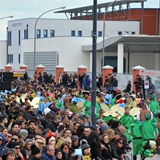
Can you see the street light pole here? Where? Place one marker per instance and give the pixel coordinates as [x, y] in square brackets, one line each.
[94, 61]
[36, 32]
[6, 17]
[104, 20]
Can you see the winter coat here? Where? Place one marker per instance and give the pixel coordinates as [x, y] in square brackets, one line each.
[31, 157]
[106, 152]
[3, 148]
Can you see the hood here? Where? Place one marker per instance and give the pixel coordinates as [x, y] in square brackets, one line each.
[3, 141]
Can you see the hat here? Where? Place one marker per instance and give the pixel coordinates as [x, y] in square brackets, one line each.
[116, 132]
[91, 127]
[103, 127]
[152, 143]
[39, 140]
[46, 110]
[54, 109]
[23, 132]
[21, 114]
[28, 140]
[75, 137]
[85, 146]
[13, 144]
[57, 150]
[34, 150]
[148, 116]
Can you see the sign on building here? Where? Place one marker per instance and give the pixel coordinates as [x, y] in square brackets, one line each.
[144, 72]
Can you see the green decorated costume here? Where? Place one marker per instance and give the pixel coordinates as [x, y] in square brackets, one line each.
[87, 106]
[148, 129]
[126, 120]
[137, 137]
[154, 105]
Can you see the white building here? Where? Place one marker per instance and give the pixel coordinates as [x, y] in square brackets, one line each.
[58, 42]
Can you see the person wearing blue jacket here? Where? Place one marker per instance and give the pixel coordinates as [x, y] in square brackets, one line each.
[3, 148]
[48, 153]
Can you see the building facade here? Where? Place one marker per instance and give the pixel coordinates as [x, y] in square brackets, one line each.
[58, 41]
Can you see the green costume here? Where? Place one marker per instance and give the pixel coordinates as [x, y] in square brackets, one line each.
[154, 105]
[126, 120]
[58, 104]
[87, 106]
[137, 137]
[149, 130]
[98, 107]
[148, 152]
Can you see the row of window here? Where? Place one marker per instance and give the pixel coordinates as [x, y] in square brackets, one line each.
[10, 58]
[52, 34]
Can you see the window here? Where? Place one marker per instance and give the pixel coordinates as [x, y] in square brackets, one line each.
[99, 33]
[133, 32]
[38, 33]
[25, 34]
[9, 38]
[45, 33]
[19, 37]
[52, 33]
[73, 33]
[10, 58]
[119, 33]
[79, 33]
[19, 58]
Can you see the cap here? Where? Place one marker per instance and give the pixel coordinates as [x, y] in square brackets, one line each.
[148, 116]
[103, 127]
[13, 144]
[28, 140]
[75, 137]
[152, 143]
[85, 146]
[46, 110]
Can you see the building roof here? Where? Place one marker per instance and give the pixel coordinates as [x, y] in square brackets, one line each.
[132, 43]
[88, 9]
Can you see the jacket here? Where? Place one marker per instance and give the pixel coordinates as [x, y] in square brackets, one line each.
[47, 157]
[31, 157]
[3, 148]
[52, 126]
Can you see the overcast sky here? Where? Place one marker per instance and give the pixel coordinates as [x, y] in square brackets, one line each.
[33, 8]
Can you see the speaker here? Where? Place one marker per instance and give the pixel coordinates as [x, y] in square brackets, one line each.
[7, 76]
[5, 85]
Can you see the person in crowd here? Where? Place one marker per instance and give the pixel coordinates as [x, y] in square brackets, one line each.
[156, 156]
[148, 129]
[65, 152]
[114, 83]
[10, 155]
[137, 138]
[35, 153]
[126, 119]
[53, 124]
[149, 149]
[106, 147]
[138, 84]
[51, 139]
[58, 154]
[118, 149]
[17, 149]
[26, 151]
[48, 153]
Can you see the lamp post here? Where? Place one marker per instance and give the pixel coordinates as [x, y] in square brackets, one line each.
[104, 19]
[94, 61]
[36, 32]
[6, 17]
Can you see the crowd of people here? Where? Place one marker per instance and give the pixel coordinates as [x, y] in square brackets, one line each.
[57, 128]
